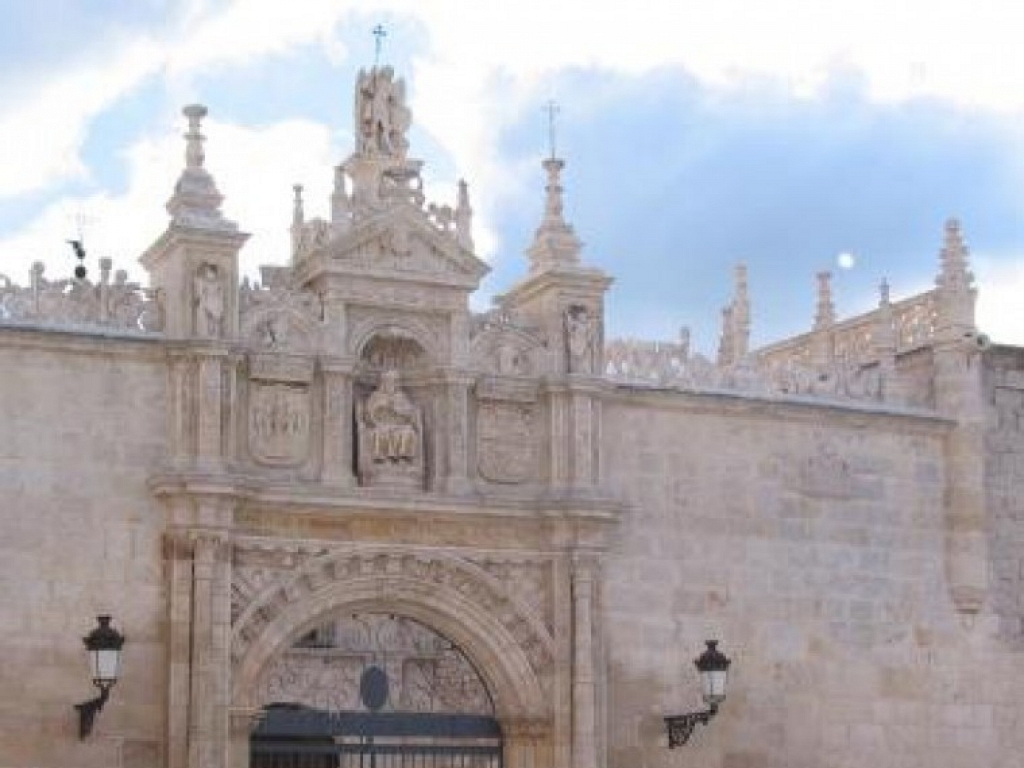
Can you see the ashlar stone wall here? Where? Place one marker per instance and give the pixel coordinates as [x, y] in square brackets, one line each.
[810, 541]
[82, 421]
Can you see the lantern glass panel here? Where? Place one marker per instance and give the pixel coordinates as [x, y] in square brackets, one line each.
[713, 683]
[106, 665]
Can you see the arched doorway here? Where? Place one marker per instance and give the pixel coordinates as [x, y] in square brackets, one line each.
[375, 690]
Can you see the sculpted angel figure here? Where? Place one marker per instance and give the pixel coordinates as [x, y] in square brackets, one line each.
[382, 115]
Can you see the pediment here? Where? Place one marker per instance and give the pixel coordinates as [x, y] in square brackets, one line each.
[403, 243]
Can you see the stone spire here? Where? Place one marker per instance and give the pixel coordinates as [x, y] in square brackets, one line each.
[464, 218]
[955, 285]
[825, 316]
[555, 243]
[735, 340]
[196, 201]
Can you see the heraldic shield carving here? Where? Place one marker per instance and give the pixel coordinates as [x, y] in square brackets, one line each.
[506, 442]
[279, 416]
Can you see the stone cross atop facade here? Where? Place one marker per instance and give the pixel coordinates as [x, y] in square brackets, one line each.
[196, 200]
[555, 242]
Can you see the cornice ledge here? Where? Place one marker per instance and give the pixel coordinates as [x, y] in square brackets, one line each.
[591, 505]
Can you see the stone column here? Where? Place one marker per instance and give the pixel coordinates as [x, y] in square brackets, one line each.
[584, 752]
[208, 725]
[338, 430]
[243, 721]
[178, 553]
[527, 743]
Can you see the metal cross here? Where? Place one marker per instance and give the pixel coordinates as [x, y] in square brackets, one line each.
[379, 33]
[552, 109]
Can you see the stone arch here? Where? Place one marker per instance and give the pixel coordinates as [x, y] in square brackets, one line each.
[509, 646]
[364, 333]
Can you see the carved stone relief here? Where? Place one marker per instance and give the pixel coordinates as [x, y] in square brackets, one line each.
[507, 442]
[426, 672]
[389, 427]
[442, 571]
[279, 421]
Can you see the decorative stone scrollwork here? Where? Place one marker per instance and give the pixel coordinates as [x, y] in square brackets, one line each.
[425, 671]
[280, 315]
[440, 574]
[73, 303]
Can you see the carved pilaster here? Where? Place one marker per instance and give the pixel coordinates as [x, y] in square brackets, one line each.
[527, 743]
[210, 636]
[584, 694]
[338, 428]
[456, 394]
[209, 406]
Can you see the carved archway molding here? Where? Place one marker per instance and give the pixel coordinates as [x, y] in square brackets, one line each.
[507, 643]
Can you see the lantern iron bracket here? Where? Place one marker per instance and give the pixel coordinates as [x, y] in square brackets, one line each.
[680, 727]
[88, 710]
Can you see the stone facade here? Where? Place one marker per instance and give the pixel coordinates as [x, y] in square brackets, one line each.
[266, 484]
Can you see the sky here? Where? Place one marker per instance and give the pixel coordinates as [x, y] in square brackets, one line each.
[793, 136]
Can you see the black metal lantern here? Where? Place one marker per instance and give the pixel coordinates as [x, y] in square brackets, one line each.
[713, 666]
[104, 647]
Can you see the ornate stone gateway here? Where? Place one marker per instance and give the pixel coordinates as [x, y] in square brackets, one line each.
[375, 690]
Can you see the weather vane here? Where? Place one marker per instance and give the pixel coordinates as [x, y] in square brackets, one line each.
[78, 244]
[379, 34]
[552, 109]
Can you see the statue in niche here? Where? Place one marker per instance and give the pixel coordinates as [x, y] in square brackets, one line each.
[209, 301]
[382, 114]
[580, 333]
[390, 435]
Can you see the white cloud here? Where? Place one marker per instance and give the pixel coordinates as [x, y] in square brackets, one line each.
[999, 298]
[482, 69]
[254, 168]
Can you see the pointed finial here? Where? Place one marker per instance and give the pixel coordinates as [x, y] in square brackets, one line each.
[194, 156]
[196, 201]
[955, 271]
[464, 217]
[554, 242]
[379, 33]
[883, 293]
[552, 109]
[826, 312]
[298, 212]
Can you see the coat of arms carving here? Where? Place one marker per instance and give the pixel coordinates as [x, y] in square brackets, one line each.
[279, 416]
[506, 442]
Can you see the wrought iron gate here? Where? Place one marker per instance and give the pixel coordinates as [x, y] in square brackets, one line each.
[298, 737]
[375, 691]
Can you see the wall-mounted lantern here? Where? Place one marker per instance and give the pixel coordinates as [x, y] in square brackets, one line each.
[713, 666]
[104, 647]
